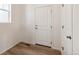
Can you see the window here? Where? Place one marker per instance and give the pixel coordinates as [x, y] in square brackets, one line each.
[5, 13]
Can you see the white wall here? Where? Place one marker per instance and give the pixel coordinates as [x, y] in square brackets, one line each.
[10, 32]
[27, 27]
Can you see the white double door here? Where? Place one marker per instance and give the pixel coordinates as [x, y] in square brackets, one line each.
[43, 26]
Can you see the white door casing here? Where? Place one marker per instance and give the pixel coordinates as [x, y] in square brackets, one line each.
[56, 26]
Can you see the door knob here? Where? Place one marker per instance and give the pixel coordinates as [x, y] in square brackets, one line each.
[69, 37]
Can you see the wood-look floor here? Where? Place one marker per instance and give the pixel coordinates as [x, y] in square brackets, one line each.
[25, 49]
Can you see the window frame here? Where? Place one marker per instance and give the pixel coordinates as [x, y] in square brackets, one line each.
[9, 13]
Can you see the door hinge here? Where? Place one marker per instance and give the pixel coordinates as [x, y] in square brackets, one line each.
[51, 26]
[51, 11]
[62, 5]
[62, 26]
[51, 43]
[62, 48]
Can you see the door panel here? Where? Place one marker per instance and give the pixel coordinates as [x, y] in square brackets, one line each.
[42, 25]
[67, 29]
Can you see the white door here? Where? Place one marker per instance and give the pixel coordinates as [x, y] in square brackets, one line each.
[67, 29]
[43, 26]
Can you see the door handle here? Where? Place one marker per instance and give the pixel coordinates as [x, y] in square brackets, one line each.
[36, 28]
[36, 25]
[69, 37]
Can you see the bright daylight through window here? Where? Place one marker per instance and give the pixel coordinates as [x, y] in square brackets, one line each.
[5, 13]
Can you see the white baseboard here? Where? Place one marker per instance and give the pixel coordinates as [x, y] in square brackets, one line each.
[75, 53]
[9, 48]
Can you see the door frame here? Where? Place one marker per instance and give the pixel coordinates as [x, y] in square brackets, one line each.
[50, 6]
